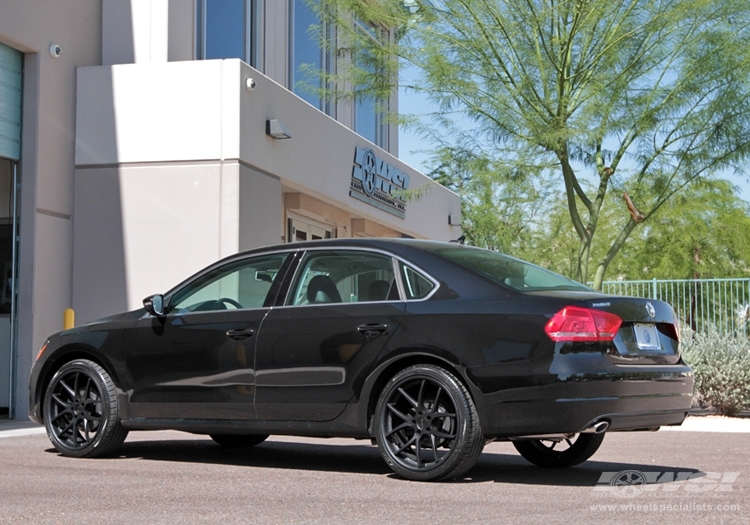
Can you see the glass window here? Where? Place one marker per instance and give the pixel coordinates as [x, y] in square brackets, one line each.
[344, 276]
[416, 285]
[508, 271]
[237, 285]
[307, 52]
[368, 118]
[225, 29]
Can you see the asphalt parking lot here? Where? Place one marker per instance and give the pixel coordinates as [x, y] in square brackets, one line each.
[173, 477]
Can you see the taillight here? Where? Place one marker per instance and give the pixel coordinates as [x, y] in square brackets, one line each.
[676, 327]
[574, 323]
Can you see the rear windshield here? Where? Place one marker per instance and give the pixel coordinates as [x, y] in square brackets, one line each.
[508, 271]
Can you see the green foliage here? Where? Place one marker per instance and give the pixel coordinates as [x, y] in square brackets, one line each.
[643, 96]
[500, 205]
[704, 232]
[722, 371]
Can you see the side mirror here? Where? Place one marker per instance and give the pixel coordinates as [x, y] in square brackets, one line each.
[154, 304]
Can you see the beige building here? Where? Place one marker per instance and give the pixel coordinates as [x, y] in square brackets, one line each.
[141, 140]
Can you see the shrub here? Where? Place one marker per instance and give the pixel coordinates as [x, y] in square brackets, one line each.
[722, 371]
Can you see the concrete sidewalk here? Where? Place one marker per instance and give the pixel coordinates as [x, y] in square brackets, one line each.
[13, 428]
[713, 424]
[691, 424]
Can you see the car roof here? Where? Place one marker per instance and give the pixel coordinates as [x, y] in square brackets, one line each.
[369, 242]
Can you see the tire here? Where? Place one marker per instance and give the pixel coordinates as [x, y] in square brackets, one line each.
[81, 411]
[426, 425]
[559, 454]
[239, 440]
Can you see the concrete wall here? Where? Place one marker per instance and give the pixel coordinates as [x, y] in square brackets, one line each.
[260, 203]
[47, 153]
[144, 228]
[201, 110]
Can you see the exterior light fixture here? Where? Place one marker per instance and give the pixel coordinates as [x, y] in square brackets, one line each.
[276, 129]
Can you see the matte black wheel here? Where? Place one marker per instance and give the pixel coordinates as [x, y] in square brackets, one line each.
[559, 453]
[239, 440]
[81, 413]
[426, 425]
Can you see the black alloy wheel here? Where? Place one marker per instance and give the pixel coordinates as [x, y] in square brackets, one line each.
[239, 440]
[426, 425]
[81, 412]
[559, 453]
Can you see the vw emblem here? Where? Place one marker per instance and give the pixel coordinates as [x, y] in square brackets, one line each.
[650, 310]
[368, 172]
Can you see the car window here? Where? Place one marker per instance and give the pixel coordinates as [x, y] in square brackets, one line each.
[343, 276]
[509, 271]
[416, 285]
[236, 285]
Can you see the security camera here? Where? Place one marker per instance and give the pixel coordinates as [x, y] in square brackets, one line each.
[54, 50]
[250, 84]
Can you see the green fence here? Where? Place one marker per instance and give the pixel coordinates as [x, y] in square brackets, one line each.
[703, 305]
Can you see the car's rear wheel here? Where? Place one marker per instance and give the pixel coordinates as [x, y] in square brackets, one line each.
[559, 453]
[426, 425]
[81, 412]
[239, 440]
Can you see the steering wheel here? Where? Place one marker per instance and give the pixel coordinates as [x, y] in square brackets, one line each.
[227, 300]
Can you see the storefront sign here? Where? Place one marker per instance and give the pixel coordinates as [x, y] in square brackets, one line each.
[376, 182]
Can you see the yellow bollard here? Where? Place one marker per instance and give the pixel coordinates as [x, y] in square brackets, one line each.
[69, 319]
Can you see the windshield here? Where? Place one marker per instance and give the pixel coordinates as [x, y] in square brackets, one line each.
[508, 271]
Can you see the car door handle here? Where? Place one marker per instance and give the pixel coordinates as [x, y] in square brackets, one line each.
[240, 334]
[372, 330]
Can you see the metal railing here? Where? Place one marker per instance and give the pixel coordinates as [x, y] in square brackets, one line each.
[703, 305]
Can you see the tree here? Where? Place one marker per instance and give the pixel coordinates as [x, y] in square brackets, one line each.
[704, 232]
[501, 209]
[645, 96]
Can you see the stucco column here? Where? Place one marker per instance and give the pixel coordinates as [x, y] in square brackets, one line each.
[134, 31]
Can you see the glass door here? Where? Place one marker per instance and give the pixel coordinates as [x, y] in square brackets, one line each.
[8, 279]
[302, 229]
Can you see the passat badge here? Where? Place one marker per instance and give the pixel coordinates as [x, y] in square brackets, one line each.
[650, 310]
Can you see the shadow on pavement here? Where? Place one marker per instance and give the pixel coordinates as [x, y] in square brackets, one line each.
[361, 457]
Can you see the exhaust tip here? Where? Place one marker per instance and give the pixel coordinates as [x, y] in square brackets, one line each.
[600, 427]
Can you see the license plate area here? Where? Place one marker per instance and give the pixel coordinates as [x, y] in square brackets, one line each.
[647, 337]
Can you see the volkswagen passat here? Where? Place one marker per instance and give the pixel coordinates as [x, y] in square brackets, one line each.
[428, 349]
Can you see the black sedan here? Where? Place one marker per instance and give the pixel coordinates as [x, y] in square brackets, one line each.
[428, 349]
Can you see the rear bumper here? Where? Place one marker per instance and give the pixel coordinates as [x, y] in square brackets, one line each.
[625, 402]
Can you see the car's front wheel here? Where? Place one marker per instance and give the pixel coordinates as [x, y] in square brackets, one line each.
[239, 440]
[81, 412]
[426, 425]
[559, 453]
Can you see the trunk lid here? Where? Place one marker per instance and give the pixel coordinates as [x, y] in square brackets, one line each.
[649, 331]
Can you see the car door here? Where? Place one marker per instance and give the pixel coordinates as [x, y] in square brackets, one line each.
[197, 361]
[315, 350]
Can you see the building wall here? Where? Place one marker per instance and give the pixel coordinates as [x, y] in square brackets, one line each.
[47, 165]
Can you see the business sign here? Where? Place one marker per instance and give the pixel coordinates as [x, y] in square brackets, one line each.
[377, 183]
